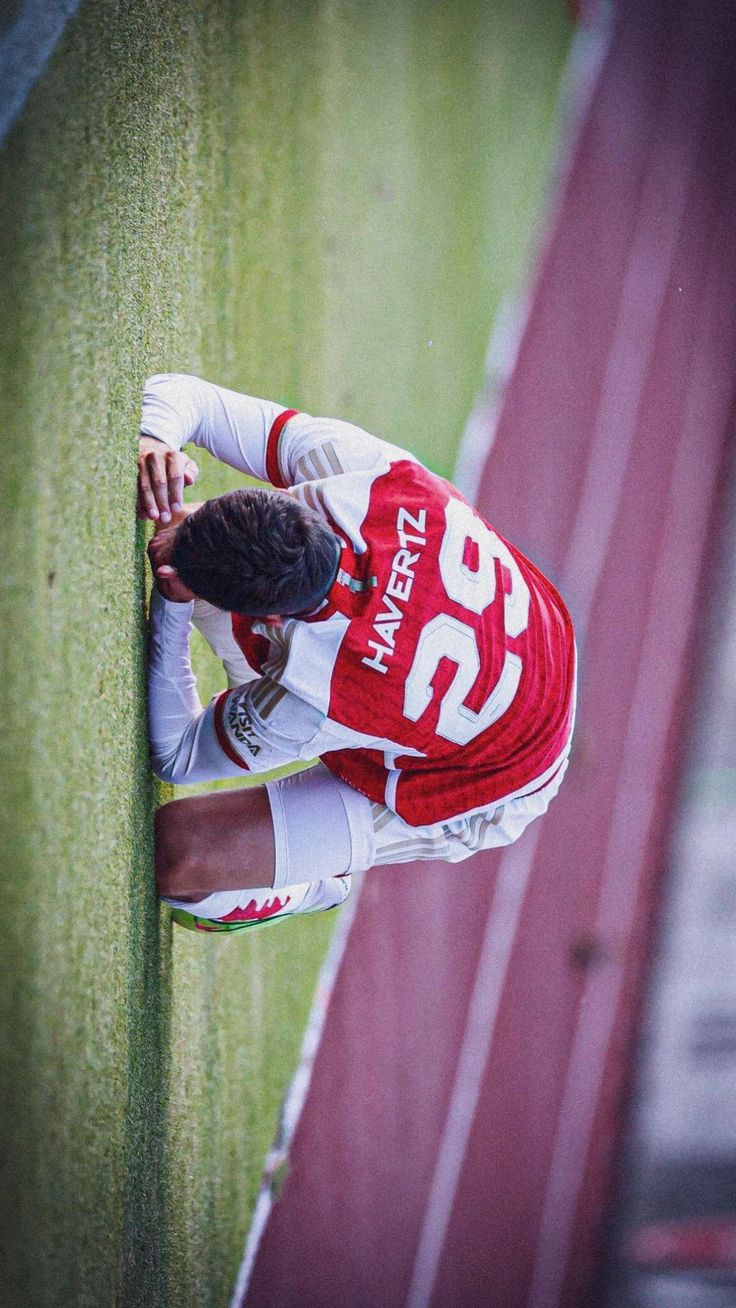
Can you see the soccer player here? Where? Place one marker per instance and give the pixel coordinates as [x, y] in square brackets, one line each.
[368, 617]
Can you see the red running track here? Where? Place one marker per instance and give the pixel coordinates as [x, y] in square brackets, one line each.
[459, 1136]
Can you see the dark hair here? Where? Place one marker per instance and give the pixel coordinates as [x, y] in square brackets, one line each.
[256, 552]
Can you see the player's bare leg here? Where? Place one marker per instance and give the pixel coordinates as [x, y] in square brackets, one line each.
[220, 841]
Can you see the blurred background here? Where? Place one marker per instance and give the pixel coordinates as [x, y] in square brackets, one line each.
[501, 235]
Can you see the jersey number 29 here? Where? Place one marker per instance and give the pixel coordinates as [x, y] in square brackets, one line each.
[446, 637]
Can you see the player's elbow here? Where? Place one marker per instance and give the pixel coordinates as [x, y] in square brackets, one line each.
[167, 772]
[168, 768]
[174, 862]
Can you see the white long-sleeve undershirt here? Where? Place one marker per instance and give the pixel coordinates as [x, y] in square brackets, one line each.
[178, 408]
[184, 744]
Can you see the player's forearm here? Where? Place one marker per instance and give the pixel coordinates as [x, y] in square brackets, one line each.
[189, 743]
[234, 428]
[184, 746]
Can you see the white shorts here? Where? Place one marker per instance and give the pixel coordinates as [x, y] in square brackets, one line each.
[324, 831]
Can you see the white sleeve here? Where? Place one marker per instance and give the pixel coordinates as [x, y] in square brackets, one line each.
[239, 430]
[234, 428]
[184, 744]
[254, 728]
[311, 449]
[265, 725]
[216, 626]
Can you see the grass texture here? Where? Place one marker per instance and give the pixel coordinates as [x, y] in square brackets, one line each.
[318, 202]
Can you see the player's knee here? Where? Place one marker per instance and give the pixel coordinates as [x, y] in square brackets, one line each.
[173, 849]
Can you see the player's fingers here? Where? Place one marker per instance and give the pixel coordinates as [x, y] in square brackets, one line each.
[171, 585]
[156, 461]
[145, 491]
[160, 547]
[191, 471]
[175, 474]
[164, 581]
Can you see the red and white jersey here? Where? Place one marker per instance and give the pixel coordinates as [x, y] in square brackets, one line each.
[438, 676]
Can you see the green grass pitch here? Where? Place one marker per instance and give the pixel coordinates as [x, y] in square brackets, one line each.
[319, 202]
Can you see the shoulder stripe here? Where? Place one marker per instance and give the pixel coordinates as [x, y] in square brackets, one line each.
[222, 733]
[265, 697]
[310, 496]
[332, 458]
[319, 464]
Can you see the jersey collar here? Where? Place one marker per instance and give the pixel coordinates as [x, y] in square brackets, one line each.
[352, 589]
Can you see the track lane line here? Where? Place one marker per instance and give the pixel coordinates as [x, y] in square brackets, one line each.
[589, 46]
[645, 286]
[631, 821]
[626, 372]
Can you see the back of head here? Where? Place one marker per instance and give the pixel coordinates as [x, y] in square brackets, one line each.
[256, 552]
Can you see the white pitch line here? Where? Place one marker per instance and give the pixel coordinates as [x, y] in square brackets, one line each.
[632, 815]
[25, 49]
[616, 421]
[480, 428]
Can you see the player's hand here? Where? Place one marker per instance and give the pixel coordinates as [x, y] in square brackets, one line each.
[160, 549]
[162, 475]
